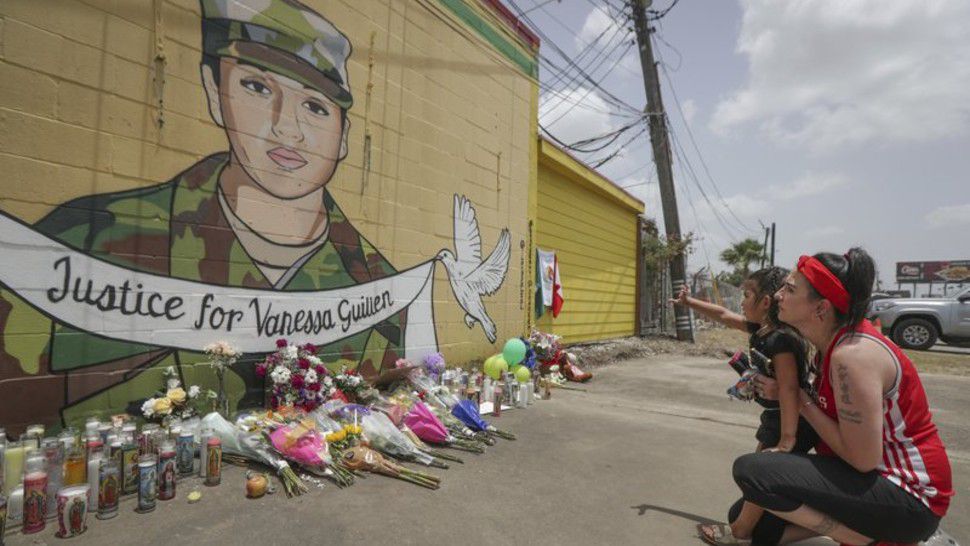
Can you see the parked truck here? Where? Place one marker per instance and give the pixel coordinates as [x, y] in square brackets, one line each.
[918, 323]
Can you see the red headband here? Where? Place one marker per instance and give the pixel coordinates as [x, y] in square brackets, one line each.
[824, 282]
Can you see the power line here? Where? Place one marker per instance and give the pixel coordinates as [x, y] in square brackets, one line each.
[688, 169]
[700, 156]
[620, 150]
[590, 90]
[571, 82]
[587, 49]
[655, 15]
[608, 95]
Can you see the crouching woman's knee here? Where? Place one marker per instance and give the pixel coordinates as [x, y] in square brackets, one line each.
[746, 469]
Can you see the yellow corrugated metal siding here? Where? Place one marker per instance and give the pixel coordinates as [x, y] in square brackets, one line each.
[594, 237]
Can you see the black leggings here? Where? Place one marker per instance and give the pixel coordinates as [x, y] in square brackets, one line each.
[867, 503]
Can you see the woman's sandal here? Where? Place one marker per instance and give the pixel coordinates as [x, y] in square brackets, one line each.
[719, 534]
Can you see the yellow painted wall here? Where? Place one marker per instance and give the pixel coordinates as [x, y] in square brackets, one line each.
[100, 96]
[592, 226]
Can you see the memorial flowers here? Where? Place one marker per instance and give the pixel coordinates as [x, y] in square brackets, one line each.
[175, 402]
[297, 376]
[221, 355]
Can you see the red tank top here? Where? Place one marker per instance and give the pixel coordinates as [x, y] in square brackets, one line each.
[913, 456]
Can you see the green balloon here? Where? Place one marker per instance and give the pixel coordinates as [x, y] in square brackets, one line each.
[522, 374]
[488, 362]
[493, 368]
[514, 351]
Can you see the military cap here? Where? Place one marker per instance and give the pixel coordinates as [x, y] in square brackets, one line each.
[282, 36]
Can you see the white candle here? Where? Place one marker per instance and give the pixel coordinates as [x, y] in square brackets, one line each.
[94, 468]
[15, 505]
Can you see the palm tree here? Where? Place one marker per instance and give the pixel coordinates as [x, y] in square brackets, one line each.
[741, 254]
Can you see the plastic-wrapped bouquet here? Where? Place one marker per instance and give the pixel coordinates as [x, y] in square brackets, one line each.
[547, 348]
[427, 427]
[383, 436]
[364, 458]
[298, 377]
[248, 440]
[351, 387]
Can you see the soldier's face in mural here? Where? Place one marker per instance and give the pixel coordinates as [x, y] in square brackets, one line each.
[288, 137]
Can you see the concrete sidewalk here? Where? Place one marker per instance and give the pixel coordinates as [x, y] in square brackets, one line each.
[639, 458]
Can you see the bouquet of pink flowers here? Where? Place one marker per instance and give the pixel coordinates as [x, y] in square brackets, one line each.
[298, 377]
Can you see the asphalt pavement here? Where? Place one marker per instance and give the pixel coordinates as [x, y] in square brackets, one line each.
[639, 458]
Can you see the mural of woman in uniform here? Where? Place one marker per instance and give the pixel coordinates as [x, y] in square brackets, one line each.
[258, 216]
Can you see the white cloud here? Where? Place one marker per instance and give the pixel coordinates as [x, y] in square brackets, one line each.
[690, 110]
[595, 25]
[949, 216]
[598, 24]
[575, 114]
[809, 184]
[829, 73]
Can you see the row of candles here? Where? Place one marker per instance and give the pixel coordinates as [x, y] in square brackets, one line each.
[481, 388]
[67, 476]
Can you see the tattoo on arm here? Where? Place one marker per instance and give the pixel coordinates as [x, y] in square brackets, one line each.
[826, 526]
[844, 384]
[854, 417]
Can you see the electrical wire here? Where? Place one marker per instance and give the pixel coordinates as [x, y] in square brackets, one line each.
[673, 92]
[608, 96]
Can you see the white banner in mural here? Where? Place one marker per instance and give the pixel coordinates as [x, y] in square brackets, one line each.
[95, 296]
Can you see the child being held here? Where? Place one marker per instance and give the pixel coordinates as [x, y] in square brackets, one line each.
[779, 353]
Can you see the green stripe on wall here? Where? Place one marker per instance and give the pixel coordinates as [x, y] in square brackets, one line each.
[473, 20]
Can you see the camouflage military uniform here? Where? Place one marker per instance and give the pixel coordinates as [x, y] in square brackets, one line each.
[178, 229]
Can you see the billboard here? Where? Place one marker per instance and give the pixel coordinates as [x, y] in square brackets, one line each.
[947, 271]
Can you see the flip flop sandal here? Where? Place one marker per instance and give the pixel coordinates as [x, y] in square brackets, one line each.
[718, 534]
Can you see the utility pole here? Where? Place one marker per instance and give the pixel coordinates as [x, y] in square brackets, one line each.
[657, 120]
[764, 247]
[772, 244]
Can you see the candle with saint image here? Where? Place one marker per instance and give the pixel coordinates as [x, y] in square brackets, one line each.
[35, 493]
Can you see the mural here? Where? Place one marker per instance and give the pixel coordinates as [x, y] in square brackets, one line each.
[245, 246]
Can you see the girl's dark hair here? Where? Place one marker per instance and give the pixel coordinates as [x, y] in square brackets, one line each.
[768, 281]
[857, 272]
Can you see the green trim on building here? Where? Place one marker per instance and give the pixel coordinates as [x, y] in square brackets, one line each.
[485, 30]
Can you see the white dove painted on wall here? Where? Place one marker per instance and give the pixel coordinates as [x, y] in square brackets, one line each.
[471, 277]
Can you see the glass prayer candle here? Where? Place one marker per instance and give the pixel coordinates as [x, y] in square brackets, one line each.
[53, 451]
[13, 469]
[166, 470]
[75, 467]
[35, 493]
[109, 488]
[213, 462]
[147, 482]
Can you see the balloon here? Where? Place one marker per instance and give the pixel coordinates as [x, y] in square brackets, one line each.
[522, 374]
[514, 351]
[496, 367]
[491, 368]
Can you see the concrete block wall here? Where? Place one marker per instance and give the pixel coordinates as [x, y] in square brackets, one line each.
[105, 96]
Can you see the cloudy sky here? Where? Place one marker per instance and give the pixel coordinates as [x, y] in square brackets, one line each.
[846, 123]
